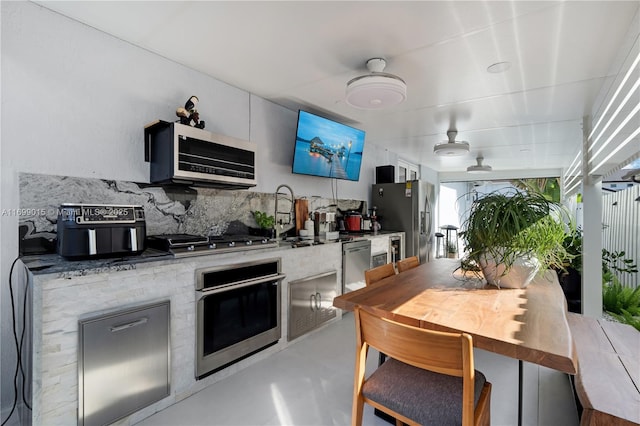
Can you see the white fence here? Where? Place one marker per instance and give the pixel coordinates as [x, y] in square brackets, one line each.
[621, 227]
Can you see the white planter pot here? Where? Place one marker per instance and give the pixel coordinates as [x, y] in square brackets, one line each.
[520, 275]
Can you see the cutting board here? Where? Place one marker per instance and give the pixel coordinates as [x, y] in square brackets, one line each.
[302, 213]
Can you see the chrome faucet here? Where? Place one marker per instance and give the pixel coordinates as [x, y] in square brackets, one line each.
[279, 222]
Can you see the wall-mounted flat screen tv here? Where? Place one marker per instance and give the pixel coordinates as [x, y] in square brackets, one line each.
[327, 148]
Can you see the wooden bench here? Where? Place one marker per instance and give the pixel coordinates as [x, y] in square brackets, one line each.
[608, 376]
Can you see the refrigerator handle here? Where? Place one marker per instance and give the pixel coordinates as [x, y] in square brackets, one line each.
[424, 220]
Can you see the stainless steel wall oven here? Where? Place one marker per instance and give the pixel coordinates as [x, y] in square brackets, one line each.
[238, 312]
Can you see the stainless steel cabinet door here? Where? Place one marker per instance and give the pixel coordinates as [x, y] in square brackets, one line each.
[326, 291]
[123, 362]
[302, 315]
[311, 302]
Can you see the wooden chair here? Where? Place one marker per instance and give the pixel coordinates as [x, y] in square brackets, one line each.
[408, 263]
[429, 378]
[378, 273]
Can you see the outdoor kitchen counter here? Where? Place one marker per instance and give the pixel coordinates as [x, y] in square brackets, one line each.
[56, 264]
[63, 291]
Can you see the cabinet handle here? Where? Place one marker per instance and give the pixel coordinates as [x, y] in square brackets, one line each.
[318, 301]
[93, 248]
[312, 301]
[116, 328]
[133, 239]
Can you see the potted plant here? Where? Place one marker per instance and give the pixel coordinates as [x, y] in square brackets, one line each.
[513, 235]
[451, 250]
[266, 224]
[570, 276]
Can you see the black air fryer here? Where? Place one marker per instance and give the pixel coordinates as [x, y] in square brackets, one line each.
[94, 231]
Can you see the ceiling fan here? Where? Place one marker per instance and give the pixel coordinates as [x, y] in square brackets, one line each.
[451, 148]
[479, 167]
[376, 90]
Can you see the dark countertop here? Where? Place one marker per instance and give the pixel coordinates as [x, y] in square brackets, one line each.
[343, 238]
[353, 235]
[54, 263]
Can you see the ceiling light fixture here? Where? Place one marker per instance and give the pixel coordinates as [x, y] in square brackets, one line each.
[451, 148]
[376, 90]
[479, 168]
[498, 67]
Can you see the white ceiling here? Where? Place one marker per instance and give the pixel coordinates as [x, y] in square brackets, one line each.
[301, 55]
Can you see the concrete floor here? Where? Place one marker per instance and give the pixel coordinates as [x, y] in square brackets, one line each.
[310, 383]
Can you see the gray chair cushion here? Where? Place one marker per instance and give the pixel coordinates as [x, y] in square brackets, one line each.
[426, 397]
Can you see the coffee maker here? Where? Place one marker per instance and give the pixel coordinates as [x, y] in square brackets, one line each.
[325, 225]
[321, 224]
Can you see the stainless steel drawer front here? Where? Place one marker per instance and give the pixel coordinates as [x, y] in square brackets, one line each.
[123, 362]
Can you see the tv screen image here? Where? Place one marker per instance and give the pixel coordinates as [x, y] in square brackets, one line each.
[327, 148]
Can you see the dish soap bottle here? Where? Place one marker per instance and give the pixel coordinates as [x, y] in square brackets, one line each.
[308, 225]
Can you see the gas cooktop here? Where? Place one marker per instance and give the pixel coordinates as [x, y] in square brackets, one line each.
[192, 245]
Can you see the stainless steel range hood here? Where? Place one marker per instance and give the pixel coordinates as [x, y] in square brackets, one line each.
[187, 155]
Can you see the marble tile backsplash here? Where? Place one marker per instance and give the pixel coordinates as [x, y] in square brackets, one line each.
[168, 208]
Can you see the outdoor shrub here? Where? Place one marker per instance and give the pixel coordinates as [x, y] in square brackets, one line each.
[621, 302]
[616, 299]
[627, 318]
[615, 262]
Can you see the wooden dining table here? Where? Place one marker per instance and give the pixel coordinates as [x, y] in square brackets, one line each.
[528, 324]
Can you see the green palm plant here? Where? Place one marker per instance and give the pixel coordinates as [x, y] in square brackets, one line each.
[507, 226]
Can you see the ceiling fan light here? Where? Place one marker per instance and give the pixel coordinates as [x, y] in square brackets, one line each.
[376, 90]
[451, 148]
[479, 168]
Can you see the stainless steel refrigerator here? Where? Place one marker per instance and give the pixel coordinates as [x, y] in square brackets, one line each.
[407, 207]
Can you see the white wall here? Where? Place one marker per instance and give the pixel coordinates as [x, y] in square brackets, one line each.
[75, 101]
[273, 128]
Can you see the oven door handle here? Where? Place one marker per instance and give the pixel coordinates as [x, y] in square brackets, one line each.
[312, 302]
[241, 284]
